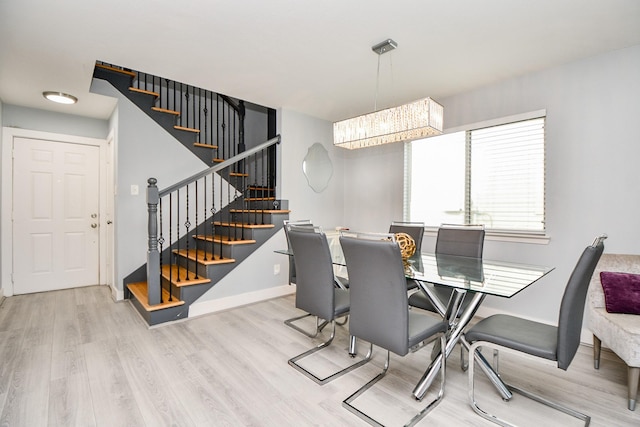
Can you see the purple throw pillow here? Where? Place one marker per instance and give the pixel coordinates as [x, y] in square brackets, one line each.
[621, 292]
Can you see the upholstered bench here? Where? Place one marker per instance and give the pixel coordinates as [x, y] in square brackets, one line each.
[618, 332]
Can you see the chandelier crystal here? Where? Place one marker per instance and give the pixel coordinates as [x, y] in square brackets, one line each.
[415, 120]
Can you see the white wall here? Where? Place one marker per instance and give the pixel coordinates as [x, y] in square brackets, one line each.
[143, 150]
[299, 132]
[50, 121]
[255, 276]
[592, 175]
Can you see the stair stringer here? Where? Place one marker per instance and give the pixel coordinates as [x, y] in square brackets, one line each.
[144, 102]
[216, 272]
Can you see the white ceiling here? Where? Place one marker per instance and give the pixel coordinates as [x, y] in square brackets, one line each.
[314, 57]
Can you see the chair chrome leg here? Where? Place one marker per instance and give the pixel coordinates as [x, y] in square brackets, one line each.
[464, 365]
[319, 326]
[344, 322]
[293, 361]
[347, 403]
[495, 419]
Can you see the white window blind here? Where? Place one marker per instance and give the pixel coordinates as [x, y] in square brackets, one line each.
[506, 176]
[491, 175]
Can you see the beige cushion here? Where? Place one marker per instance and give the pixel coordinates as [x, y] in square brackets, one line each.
[618, 332]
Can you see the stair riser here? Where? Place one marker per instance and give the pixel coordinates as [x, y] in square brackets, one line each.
[260, 193]
[161, 316]
[236, 233]
[189, 293]
[252, 218]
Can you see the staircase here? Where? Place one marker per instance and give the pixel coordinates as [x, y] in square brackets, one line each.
[201, 228]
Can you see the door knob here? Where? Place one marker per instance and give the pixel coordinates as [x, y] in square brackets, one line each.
[94, 225]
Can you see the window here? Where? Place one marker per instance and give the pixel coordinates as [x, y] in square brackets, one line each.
[492, 175]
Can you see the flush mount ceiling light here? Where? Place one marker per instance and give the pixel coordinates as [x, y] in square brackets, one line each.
[415, 120]
[59, 97]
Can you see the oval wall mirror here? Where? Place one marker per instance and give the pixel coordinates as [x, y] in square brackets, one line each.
[317, 167]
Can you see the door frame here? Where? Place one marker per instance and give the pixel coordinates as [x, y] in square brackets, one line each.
[6, 212]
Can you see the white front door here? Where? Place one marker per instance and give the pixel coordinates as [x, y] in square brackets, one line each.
[55, 215]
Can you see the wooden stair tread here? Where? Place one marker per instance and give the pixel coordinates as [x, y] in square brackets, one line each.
[216, 160]
[258, 199]
[203, 257]
[225, 240]
[238, 174]
[270, 211]
[164, 110]
[242, 225]
[186, 129]
[117, 70]
[145, 92]
[139, 291]
[178, 276]
[199, 144]
[253, 187]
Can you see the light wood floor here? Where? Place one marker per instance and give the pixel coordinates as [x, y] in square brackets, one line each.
[76, 358]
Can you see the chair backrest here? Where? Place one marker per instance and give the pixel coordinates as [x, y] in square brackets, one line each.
[378, 292]
[572, 305]
[413, 229]
[292, 264]
[314, 271]
[460, 240]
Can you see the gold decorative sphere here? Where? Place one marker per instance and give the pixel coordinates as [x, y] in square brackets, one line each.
[407, 245]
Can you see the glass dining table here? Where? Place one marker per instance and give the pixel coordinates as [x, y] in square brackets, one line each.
[468, 278]
[473, 278]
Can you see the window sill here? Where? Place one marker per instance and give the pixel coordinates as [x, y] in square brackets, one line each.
[511, 237]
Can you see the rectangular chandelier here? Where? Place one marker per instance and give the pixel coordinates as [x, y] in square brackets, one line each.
[415, 120]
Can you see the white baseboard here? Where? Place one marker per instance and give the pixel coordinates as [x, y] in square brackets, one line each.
[116, 294]
[213, 306]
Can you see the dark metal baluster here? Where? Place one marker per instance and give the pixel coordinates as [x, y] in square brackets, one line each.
[205, 139]
[221, 216]
[171, 255]
[187, 225]
[265, 191]
[213, 215]
[178, 235]
[196, 125]
[161, 244]
[196, 226]
[255, 174]
[186, 103]
[180, 106]
[204, 215]
[172, 100]
[230, 188]
[224, 133]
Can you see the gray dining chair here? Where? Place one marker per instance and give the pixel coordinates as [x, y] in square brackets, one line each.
[292, 265]
[458, 240]
[416, 231]
[557, 343]
[380, 311]
[413, 229]
[317, 294]
[293, 279]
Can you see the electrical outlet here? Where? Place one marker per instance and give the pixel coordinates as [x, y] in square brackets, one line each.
[134, 190]
[276, 269]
